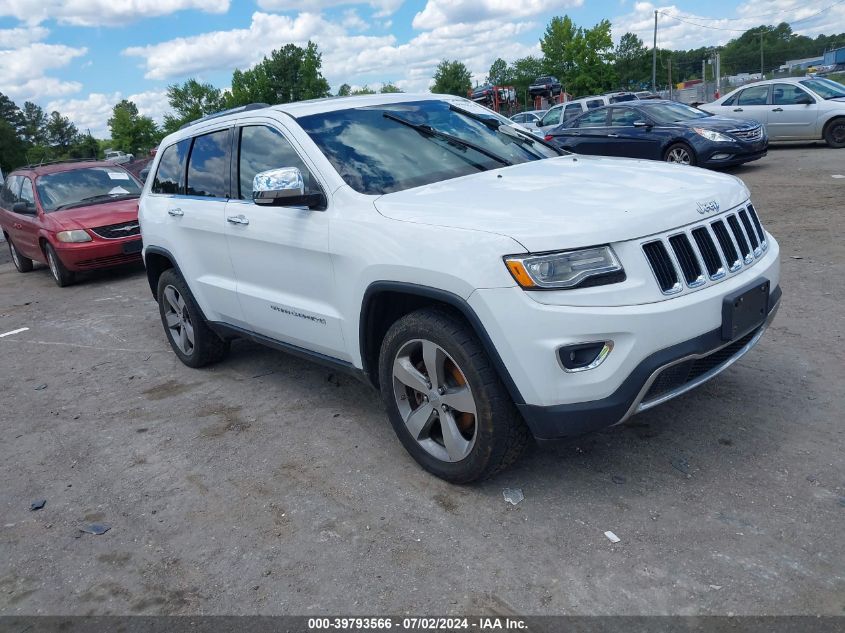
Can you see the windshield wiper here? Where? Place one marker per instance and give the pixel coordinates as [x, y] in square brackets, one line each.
[495, 125]
[427, 130]
[103, 197]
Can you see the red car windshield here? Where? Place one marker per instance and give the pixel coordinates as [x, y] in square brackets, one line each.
[82, 187]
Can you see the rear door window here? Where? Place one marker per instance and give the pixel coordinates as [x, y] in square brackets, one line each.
[758, 95]
[208, 166]
[170, 176]
[596, 118]
[623, 117]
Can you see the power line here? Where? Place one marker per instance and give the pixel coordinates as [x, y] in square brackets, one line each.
[755, 17]
[721, 28]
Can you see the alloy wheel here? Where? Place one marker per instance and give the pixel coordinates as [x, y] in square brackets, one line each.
[679, 155]
[435, 400]
[15, 257]
[51, 261]
[179, 324]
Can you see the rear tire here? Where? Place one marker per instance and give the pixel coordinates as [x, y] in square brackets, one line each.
[680, 153]
[445, 400]
[61, 275]
[22, 264]
[187, 331]
[834, 133]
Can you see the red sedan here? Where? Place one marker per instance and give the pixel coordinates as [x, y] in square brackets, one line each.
[72, 216]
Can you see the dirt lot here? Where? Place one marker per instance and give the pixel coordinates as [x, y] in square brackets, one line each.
[268, 485]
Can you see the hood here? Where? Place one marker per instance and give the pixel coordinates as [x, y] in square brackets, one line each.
[96, 215]
[720, 123]
[568, 202]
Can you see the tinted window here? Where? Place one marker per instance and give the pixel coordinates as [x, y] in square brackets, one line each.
[624, 117]
[572, 110]
[170, 177]
[730, 101]
[263, 148]
[552, 117]
[758, 95]
[596, 118]
[788, 94]
[825, 88]
[673, 112]
[621, 98]
[208, 166]
[27, 195]
[594, 103]
[376, 154]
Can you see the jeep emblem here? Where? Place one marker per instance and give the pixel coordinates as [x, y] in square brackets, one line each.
[710, 206]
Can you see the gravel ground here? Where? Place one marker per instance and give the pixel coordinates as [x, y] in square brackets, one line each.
[269, 485]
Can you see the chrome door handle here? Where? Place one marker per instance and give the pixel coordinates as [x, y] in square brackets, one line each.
[237, 219]
[737, 109]
[176, 212]
[613, 135]
[778, 110]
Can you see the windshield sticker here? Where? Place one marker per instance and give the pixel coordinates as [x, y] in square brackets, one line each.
[117, 191]
[118, 175]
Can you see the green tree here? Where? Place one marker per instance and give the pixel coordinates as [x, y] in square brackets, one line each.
[452, 78]
[633, 62]
[12, 149]
[366, 90]
[390, 87]
[61, 133]
[85, 146]
[558, 44]
[34, 130]
[190, 101]
[499, 73]
[594, 60]
[522, 73]
[289, 74]
[130, 131]
[344, 91]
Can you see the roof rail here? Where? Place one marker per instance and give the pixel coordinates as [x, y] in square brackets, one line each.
[208, 117]
[59, 162]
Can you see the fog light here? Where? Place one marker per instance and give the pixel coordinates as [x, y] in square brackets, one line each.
[721, 156]
[584, 356]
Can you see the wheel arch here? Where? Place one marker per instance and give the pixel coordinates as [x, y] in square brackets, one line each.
[386, 301]
[157, 260]
[831, 121]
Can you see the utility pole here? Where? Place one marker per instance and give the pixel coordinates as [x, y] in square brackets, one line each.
[654, 57]
[670, 77]
[762, 76]
[718, 91]
[704, 79]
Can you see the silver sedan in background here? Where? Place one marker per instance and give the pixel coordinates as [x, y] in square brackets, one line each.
[792, 109]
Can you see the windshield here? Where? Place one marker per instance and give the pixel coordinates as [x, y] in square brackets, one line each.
[674, 112]
[377, 154]
[825, 88]
[91, 185]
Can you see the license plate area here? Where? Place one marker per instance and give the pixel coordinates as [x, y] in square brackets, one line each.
[745, 310]
[130, 248]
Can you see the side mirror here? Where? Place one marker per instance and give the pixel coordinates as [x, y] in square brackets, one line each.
[24, 208]
[805, 100]
[644, 124]
[284, 187]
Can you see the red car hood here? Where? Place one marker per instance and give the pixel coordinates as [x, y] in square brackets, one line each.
[95, 215]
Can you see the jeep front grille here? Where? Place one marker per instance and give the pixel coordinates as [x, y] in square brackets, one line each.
[706, 252]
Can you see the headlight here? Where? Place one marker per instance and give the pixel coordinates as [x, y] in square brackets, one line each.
[73, 236]
[567, 269]
[710, 135]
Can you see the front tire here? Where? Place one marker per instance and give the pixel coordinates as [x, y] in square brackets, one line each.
[445, 400]
[680, 153]
[61, 275]
[192, 340]
[22, 264]
[834, 134]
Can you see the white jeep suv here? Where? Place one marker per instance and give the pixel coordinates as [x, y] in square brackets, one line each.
[489, 286]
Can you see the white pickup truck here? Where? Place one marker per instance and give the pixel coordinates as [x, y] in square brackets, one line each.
[118, 157]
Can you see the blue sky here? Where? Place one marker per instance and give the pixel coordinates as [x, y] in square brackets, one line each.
[81, 57]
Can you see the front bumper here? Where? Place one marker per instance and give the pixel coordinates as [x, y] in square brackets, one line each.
[643, 388]
[99, 253]
[735, 153]
[527, 330]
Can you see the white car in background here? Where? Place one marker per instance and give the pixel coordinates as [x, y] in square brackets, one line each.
[118, 158]
[792, 109]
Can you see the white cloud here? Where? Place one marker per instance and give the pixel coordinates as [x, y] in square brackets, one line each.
[101, 12]
[346, 58]
[692, 30]
[354, 22]
[442, 12]
[24, 71]
[93, 112]
[383, 7]
[21, 36]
